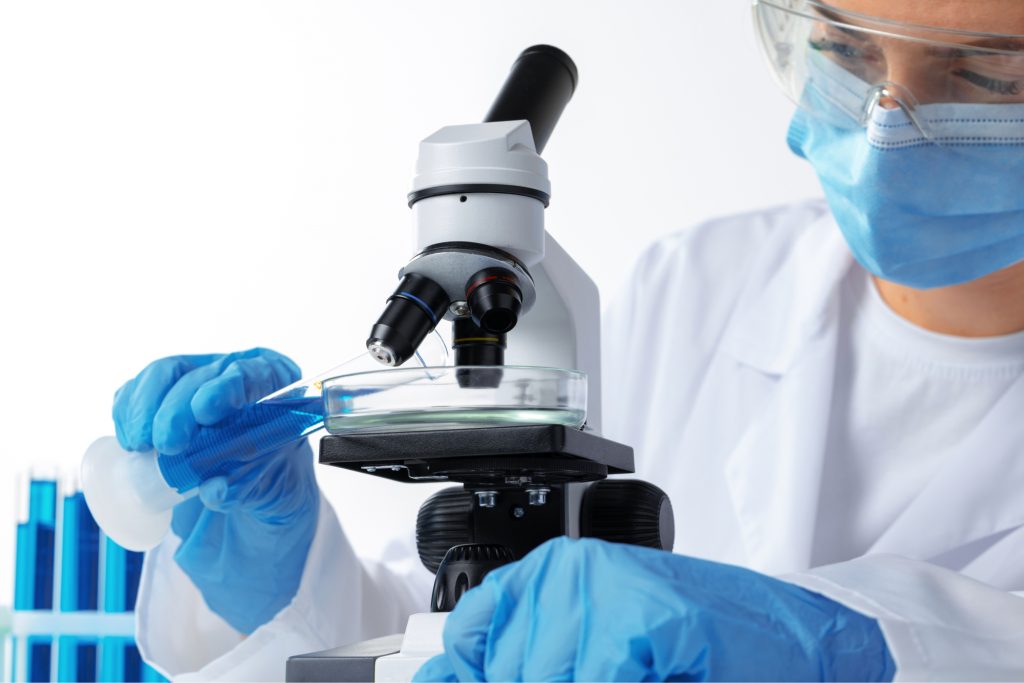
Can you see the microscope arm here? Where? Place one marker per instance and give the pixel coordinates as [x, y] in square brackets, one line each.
[563, 329]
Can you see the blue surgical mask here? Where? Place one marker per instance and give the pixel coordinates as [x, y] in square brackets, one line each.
[921, 211]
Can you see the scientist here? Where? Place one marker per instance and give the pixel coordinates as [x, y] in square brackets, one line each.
[832, 395]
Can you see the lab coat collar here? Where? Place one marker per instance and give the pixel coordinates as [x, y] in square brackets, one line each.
[774, 322]
[786, 328]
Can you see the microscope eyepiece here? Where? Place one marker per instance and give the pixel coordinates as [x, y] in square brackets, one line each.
[540, 85]
[494, 299]
[412, 312]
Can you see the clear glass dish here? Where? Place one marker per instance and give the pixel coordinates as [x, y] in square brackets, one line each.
[408, 399]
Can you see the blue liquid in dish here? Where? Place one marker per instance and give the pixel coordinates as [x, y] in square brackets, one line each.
[255, 430]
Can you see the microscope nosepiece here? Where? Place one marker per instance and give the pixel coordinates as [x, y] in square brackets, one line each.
[412, 312]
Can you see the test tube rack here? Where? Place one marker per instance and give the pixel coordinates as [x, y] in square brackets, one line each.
[74, 594]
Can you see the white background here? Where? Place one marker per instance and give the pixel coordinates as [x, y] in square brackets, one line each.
[209, 176]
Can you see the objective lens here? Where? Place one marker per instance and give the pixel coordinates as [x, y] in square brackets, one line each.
[475, 347]
[494, 299]
[412, 312]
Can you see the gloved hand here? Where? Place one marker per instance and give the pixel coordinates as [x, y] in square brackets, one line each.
[589, 610]
[246, 536]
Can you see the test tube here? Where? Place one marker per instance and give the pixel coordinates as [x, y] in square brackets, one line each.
[80, 553]
[119, 658]
[121, 572]
[34, 566]
[33, 579]
[131, 495]
[121, 661]
[79, 582]
[76, 659]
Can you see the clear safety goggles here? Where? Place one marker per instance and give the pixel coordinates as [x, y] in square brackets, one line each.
[845, 66]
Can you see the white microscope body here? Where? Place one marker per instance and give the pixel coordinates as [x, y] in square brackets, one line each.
[559, 326]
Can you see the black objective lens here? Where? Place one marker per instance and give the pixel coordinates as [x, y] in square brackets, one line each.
[475, 347]
[494, 299]
[412, 312]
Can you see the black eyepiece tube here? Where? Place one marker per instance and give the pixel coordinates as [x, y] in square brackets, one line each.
[542, 82]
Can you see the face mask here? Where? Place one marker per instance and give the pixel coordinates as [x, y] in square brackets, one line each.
[921, 212]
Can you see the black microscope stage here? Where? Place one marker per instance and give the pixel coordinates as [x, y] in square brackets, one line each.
[494, 455]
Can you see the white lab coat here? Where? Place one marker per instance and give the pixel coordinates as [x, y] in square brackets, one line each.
[722, 353]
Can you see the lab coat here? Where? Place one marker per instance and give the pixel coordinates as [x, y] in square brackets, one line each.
[720, 355]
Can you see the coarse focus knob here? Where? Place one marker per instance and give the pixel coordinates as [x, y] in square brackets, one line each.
[628, 511]
[444, 520]
[465, 567]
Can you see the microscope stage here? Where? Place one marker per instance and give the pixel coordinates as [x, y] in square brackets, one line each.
[496, 455]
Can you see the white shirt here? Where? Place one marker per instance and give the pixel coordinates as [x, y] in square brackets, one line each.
[902, 399]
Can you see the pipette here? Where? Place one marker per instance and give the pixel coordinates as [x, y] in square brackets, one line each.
[132, 494]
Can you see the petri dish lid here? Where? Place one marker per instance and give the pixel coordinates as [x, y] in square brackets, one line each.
[413, 399]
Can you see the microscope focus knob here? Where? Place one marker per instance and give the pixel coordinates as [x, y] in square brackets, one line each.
[628, 511]
[465, 567]
[444, 520]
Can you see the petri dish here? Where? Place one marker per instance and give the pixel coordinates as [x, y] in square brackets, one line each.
[416, 399]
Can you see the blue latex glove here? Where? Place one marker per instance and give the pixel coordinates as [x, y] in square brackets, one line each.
[589, 610]
[246, 536]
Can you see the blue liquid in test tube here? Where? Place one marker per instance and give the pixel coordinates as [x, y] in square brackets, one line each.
[85, 660]
[121, 572]
[255, 430]
[121, 661]
[76, 659]
[39, 655]
[80, 556]
[33, 577]
[79, 587]
[119, 658]
[33, 571]
[113, 653]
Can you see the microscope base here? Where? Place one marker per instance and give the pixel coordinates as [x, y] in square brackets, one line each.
[394, 658]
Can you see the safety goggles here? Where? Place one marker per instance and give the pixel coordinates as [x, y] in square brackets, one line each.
[844, 67]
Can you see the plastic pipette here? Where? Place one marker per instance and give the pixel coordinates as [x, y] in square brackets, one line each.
[132, 494]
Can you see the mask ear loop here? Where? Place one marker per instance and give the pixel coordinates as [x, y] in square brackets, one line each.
[903, 98]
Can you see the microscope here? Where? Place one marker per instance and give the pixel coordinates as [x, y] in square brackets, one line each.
[516, 301]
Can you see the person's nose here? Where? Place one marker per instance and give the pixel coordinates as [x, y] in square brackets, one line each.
[906, 83]
[888, 101]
